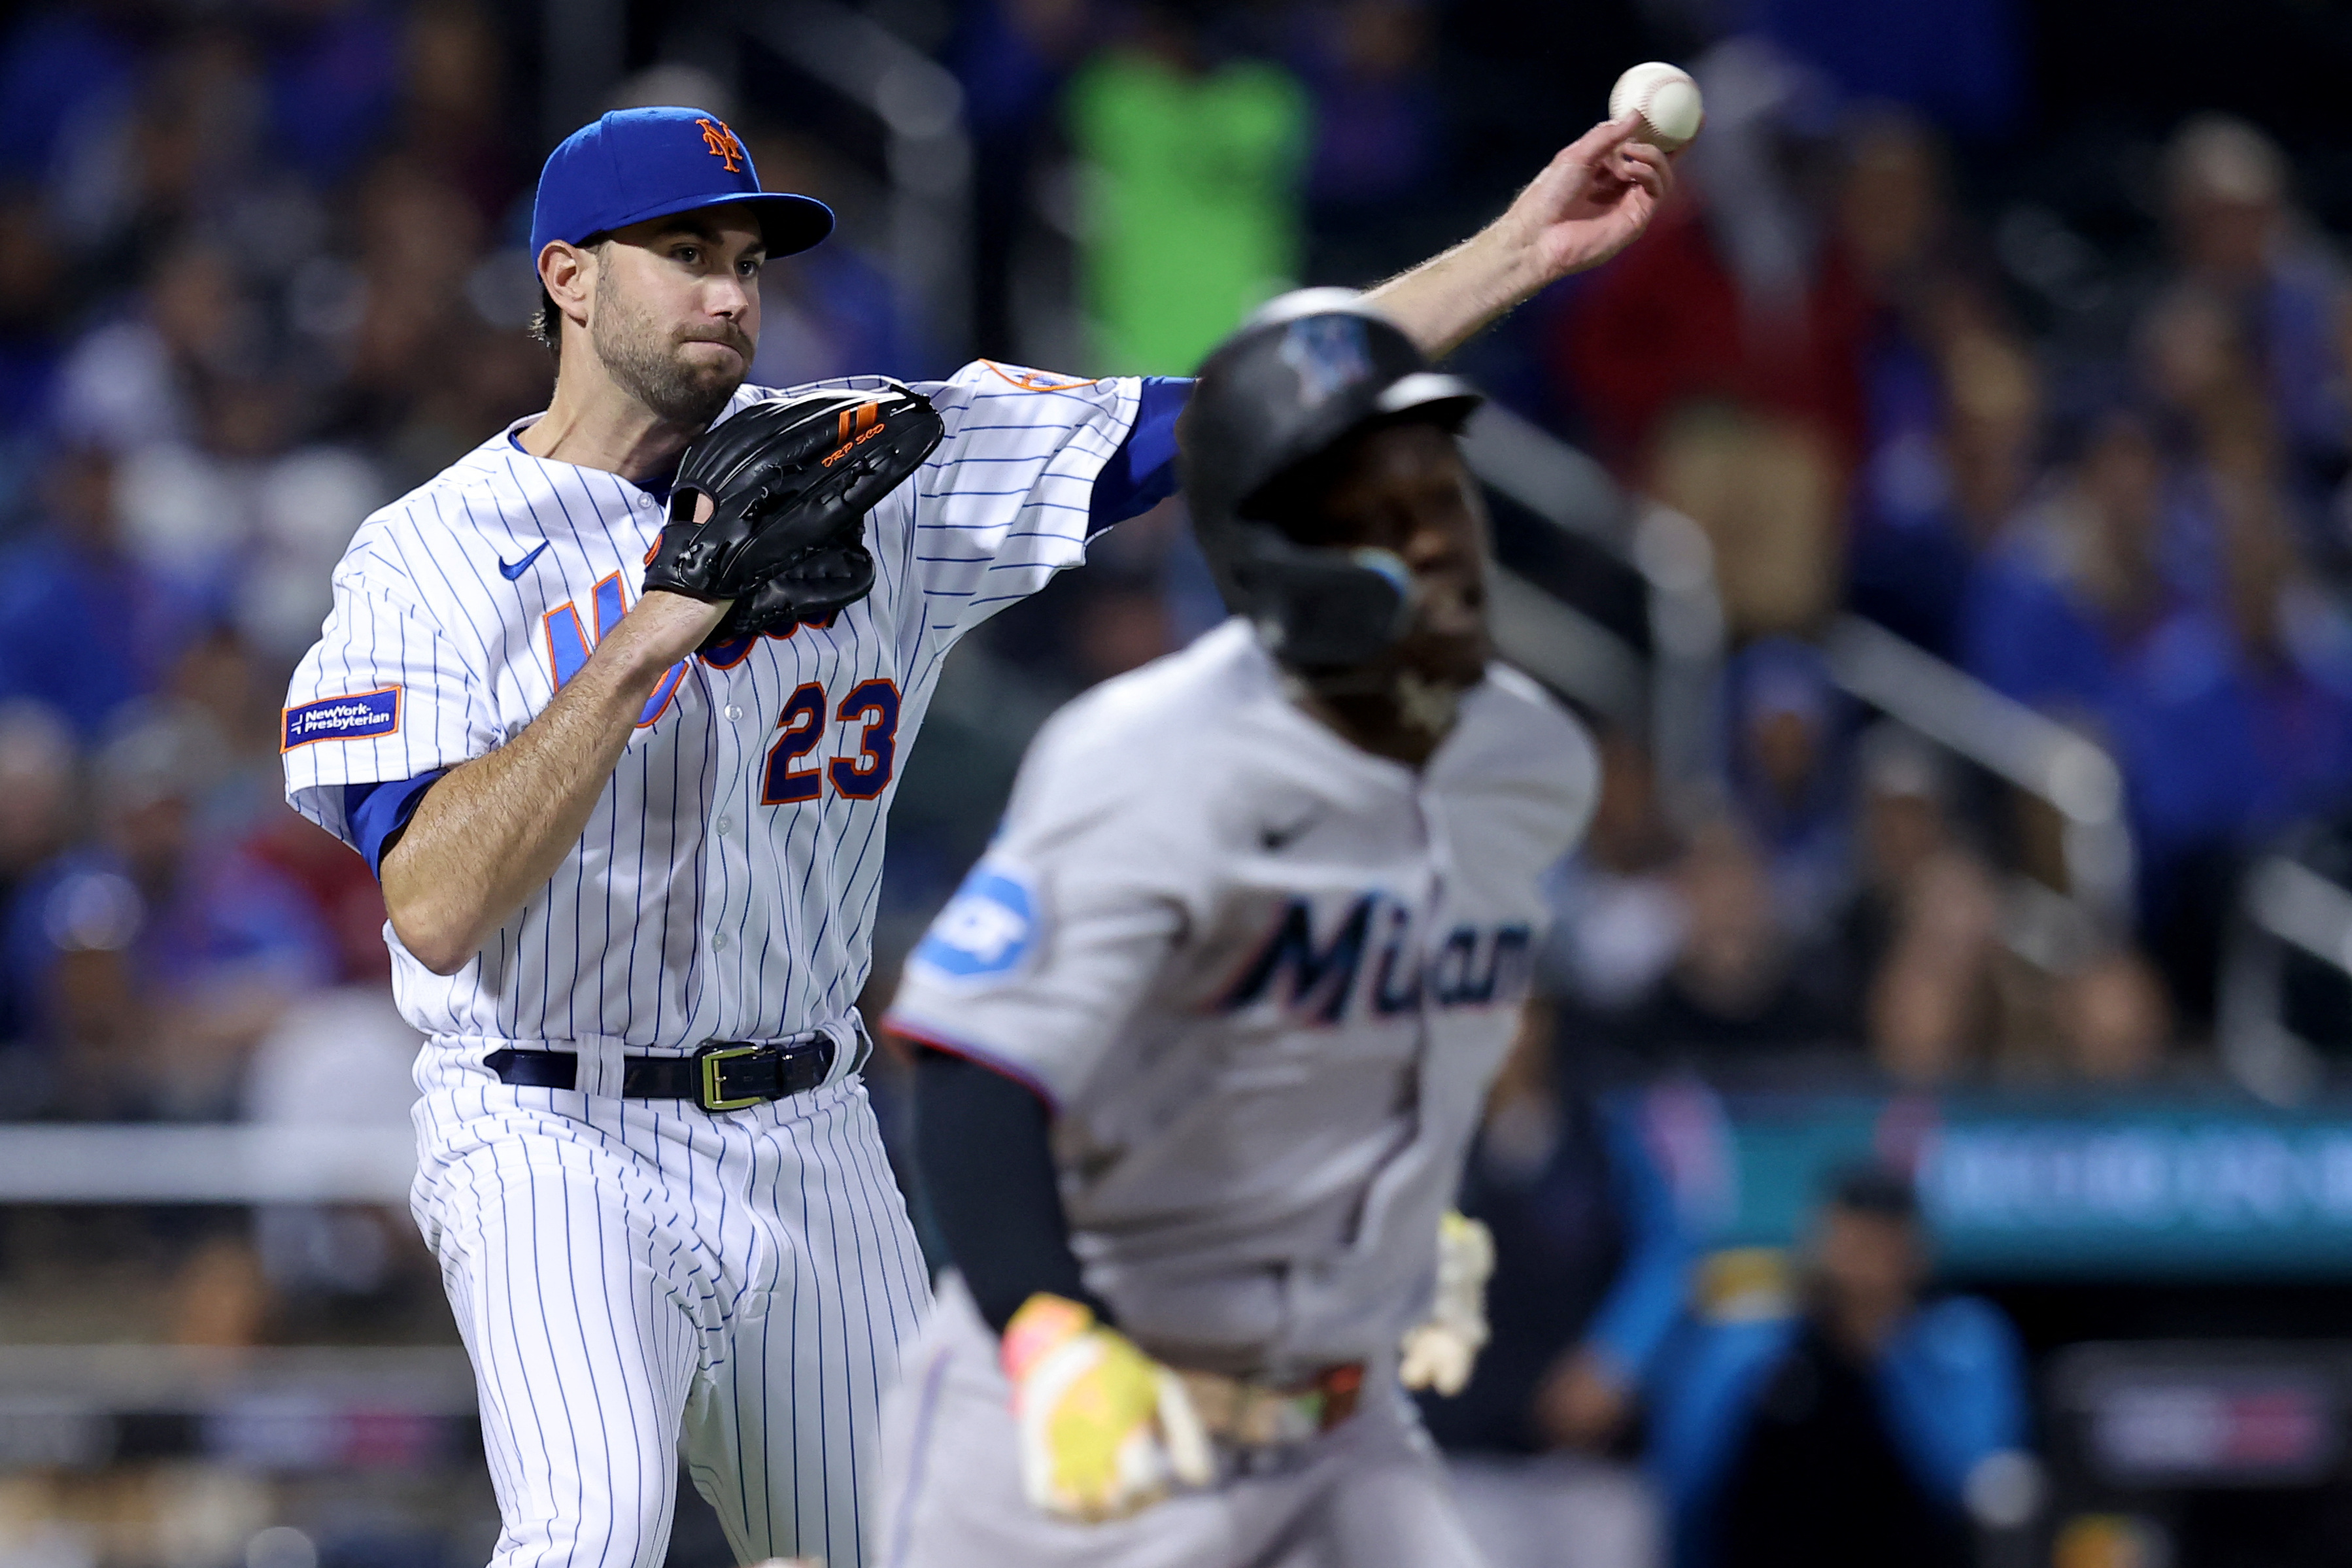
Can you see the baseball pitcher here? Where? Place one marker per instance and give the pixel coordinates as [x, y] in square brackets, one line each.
[615, 706]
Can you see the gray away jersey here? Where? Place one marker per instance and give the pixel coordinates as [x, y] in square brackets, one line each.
[725, 886]
[1265, 978]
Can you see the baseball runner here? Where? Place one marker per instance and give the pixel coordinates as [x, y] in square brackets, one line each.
[1212, 1021]
[616, 706]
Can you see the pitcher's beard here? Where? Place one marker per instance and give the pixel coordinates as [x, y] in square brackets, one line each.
[648, 364]
[680, 393]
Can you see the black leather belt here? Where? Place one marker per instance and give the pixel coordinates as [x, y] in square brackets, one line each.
[725, 1075]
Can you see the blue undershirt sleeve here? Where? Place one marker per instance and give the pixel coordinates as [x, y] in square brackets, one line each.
[379, 813]
[1142, 473]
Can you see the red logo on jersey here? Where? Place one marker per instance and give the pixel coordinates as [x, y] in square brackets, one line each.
[722, 144]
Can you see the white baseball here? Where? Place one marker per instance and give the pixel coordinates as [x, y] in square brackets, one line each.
[1667, 101]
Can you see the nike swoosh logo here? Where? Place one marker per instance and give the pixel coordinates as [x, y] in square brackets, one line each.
[514, 573]
[1276, 838]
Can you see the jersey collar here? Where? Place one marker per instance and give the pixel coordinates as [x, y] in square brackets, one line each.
[657, 487]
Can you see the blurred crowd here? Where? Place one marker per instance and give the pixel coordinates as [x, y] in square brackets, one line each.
[248, 299]
[260, 270]
[1817, 358]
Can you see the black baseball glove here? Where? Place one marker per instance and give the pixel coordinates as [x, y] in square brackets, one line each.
[790, 482]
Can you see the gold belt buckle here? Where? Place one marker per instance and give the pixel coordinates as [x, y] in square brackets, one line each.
[710, 1056]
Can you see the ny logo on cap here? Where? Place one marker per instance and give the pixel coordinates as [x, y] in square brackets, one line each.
[1328, 353]
[722, 143]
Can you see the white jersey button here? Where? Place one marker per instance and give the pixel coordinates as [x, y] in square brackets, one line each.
[718, 942]
[726, 824]
[734, 712]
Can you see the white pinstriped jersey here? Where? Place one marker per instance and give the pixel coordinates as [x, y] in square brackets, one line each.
[726, 883]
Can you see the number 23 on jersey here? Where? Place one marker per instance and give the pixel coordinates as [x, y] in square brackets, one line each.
[790, 775]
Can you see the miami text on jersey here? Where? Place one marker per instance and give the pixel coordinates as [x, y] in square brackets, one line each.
[1374, 960]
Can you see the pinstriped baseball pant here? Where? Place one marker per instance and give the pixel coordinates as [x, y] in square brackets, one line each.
[637, 1280]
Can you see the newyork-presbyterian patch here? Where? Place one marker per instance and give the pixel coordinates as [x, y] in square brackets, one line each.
[361, 716]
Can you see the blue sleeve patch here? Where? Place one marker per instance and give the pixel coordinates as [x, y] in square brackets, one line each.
[359, 717]
[989, 928]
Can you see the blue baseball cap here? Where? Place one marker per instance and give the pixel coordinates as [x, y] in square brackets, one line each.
[639, 163]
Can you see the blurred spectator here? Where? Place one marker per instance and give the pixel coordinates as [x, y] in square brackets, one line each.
[33, 312]
[1123, 615]
[1740, 990]
[1936, 493]
[187, 507]
[1918, 934]
[338, 885]
[154, 960]
[2114, 1020]
[334, 70]
[1736, 292]
[181, 152]
[1718, 360]
[340, 1057]
[1939, 950]
[220, 686]
[84, 626]
[1617, 918]
[416, 239]
[1120, 626]
[64, 72]
[2239, 245]
[2078, 582]
[133, 379]
[1931, 1003]
[1192, 167]
[1844, 1432]
[304, 507]
[1367, 63]
[1011, 58]
[494, 379]
[37, 779]
[1591, 1257]
[1770, 491]
[40, 804]
[1786, 765]
[452, 116]
[219, 1298]
[2234, 722]
[1905, 789]
[1896, 221]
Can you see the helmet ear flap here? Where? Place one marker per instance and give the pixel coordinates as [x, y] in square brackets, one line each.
[1321, 610]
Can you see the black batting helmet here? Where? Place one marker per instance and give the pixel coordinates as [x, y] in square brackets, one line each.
[1302, 374]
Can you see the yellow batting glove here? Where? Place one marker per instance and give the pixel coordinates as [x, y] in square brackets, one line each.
[1104, 1428]
[1439, 1352]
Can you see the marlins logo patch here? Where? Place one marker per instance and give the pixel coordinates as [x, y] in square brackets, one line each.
[988, 929]
[1328, 353]
[361, 716]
